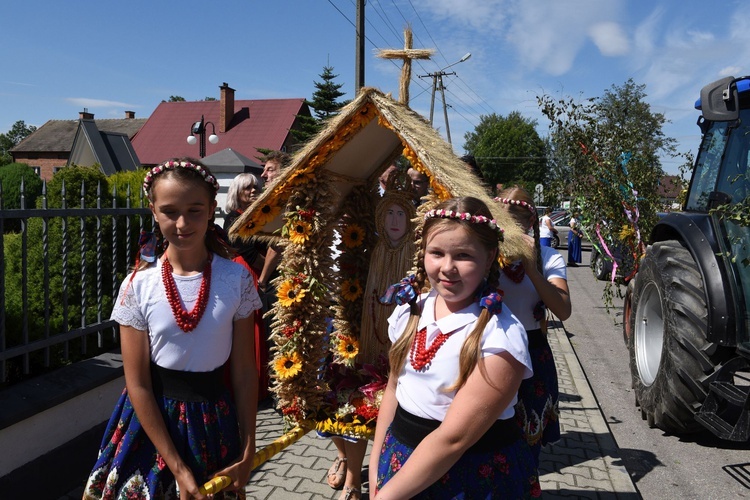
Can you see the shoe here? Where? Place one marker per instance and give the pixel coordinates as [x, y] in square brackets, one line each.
[337, 473]
[351, 493]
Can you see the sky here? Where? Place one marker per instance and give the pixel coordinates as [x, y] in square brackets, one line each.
[109, 57]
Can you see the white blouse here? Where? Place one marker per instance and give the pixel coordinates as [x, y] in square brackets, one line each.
[423, 393]
[522, 297]
[143, 305]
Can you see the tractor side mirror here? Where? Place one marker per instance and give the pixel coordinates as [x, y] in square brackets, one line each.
[720, 101]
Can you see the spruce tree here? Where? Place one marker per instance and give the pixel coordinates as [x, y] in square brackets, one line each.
[323, 106]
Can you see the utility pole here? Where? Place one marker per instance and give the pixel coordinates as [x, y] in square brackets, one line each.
[437, 83]
[359, 60]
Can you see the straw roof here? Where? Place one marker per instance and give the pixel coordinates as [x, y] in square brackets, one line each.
[354, 149]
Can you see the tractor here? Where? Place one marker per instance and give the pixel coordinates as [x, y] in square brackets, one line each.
[686, 311]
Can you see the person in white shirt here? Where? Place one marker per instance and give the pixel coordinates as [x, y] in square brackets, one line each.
[546, 229]
[532, 287]
[446, 425]
[185, 320]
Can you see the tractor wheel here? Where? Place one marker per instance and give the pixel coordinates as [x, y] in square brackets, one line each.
[627, 310]
[671, 362]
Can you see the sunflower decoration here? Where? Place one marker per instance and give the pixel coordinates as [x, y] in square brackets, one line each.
[288, 366]
[267, 213]
[301, 225]
[351, 290]
[291, 291]
[299, 232]
[347, 349]
[353, 235]
[298, 331]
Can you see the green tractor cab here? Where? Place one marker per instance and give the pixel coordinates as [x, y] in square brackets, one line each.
[688, 307]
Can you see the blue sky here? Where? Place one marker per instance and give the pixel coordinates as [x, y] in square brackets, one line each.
[108, 57]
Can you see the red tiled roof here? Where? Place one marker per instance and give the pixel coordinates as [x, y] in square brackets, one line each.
[262, 123]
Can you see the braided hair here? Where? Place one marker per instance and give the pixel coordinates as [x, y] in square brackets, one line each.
[471, 351]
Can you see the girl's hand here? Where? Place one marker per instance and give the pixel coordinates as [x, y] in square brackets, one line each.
[239, 472]
[529, 260]
[187, 485]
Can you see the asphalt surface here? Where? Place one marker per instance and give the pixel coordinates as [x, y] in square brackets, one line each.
[697, 466]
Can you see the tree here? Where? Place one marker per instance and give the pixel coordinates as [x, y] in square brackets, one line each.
[11, 176]
[323, 104]
[18, 132]
[508, 149]
[607, 151]
[176, 98]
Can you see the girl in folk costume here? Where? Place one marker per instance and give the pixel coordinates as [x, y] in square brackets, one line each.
[446, 426]
[182, 317]
[392, 257]
[531, 287]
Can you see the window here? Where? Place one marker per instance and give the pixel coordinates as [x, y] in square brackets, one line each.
[37, 170]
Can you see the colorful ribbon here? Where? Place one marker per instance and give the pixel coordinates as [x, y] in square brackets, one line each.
[492, 302]
[401, 293]
[147, 244]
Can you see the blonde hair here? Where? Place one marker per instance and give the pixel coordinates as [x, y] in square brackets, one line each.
[471, 350]
[521, 215]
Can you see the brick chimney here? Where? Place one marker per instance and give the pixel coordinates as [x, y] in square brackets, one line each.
[129, 115]
[226, 112]
[85, 115]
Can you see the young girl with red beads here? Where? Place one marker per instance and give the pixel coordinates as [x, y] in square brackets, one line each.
[446, 427]
[182, 317]
[532, 287]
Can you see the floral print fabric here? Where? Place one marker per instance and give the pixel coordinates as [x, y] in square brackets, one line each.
[507, 472]
[205, 433]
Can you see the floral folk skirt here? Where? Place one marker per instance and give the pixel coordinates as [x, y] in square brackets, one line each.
[537, 410]
[206, 435]
[506, 473]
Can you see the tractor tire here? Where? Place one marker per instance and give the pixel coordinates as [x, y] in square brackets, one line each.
[671, 362]
[627, 310]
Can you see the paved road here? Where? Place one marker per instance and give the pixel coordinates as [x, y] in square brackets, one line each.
[662, 466]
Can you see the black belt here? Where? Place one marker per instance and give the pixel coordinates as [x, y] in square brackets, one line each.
[537, 339]
[188, 386]
[411, 430]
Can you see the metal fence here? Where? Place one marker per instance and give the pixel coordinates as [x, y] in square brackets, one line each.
[72, 260]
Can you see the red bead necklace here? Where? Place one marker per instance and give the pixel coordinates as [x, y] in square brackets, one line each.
[187, 321]
[419, 356]
[515, 272]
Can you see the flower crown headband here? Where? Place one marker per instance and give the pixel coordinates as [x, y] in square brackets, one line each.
[465, 216]
[520, 203]
[170, 165]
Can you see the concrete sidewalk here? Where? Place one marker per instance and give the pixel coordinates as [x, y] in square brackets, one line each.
[585, 463]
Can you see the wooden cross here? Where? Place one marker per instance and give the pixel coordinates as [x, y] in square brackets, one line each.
[406, 55]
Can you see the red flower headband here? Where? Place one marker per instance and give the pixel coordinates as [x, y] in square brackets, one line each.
[167, 165]
[520, 203]
[465, 216]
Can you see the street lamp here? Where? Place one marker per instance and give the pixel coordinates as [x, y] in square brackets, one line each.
[200, 129]
[438, 77]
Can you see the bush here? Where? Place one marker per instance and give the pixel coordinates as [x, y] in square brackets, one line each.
[10, 180]
[87, 283]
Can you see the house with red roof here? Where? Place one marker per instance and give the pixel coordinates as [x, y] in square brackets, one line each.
[107, 142]
[240, 125]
